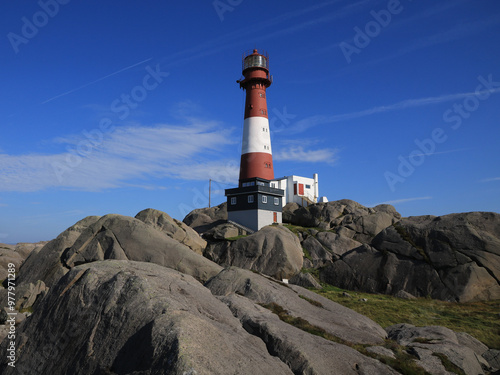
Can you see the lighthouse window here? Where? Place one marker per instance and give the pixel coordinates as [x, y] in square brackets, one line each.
[233, 200]
[262, 95]
[264, 199]
[250, 199]
[263, 111]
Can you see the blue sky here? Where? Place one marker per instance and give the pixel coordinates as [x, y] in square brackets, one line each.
[114, 106]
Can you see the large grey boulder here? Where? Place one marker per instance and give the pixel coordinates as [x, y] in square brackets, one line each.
[317, 253]
[273, 250]
[305, 280]
[173, 228]
[345, 217]
[8, 255]
[460, 349]
[46, 264]
[203, 219]
[369, 270]
[453, 257]
[304, 353]
[126, 238]
[337, 244]
[335, 319]
[16, 254]
[122, 317]
[43, 266]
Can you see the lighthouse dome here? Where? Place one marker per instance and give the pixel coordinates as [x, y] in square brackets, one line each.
[255, 60]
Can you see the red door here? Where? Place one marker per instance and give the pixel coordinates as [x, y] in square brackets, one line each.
[301, 189]
[275, 217]
[294, 189]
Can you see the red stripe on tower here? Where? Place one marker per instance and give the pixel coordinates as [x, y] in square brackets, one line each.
[256, 153]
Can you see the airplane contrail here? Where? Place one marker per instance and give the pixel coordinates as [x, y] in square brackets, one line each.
[97, 80]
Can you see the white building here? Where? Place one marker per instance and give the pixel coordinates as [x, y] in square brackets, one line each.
[301, 190]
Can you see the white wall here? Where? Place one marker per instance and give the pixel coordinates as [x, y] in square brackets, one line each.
[287, 184]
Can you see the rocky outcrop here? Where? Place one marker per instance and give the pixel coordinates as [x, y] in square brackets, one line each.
[345, 217]
[46, 264]
[453, 257]
[433, 344]
[173, 228]
[125, 238]
[16, 254]
[335, 319]
[273, 251]
[110, 237]
[225, 231]
[305, 280]
[203, 219]
[304, 353]
[122, 295]
[122, 317]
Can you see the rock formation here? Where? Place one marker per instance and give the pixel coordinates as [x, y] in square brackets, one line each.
[273, 251]
[453, 257]
[122, 295]
[427, 343]
[16, 254]
[173, 228]
[122, 317]
[203, 219]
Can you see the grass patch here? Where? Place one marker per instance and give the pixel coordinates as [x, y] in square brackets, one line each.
[479, 319]
[448, 365]
[296, 229]
[302, 324]
[28, 310]
[307, 254]
[311, 301]
[403, 363]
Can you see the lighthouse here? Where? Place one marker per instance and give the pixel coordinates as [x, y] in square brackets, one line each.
[255, 203]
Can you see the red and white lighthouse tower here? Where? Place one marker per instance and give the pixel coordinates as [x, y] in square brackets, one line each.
[254, 203]
[256, 153]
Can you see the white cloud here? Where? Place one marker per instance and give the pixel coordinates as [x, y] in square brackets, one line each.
[298, 154]
[490, 179]
[397, 201]
[192, 152]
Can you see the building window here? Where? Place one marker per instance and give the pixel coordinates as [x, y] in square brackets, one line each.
[276, 201]
[308, 186]
[250, 199]
[260, 183]
[264, 199]
[233, 200]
